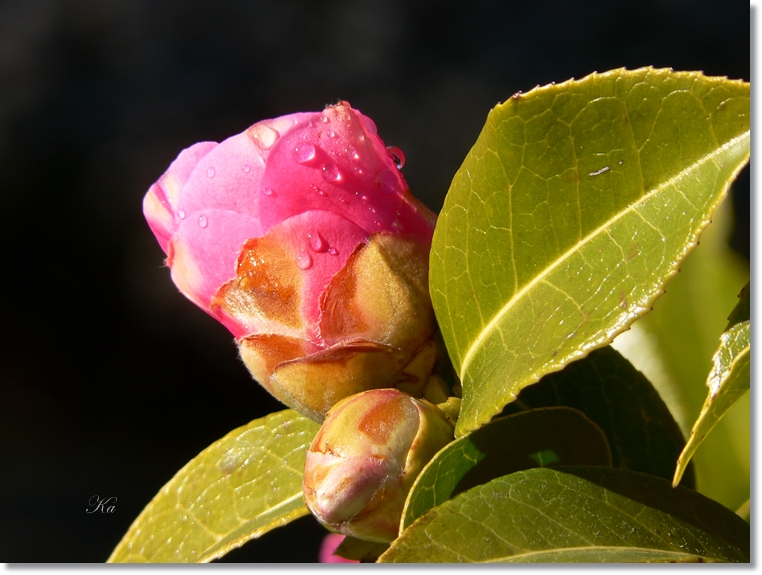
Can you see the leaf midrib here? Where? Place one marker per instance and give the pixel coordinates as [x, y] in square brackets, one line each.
[490, 327]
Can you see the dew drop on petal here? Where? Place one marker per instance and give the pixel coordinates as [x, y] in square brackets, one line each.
[318, 191]
[304, 261]
[203, 221]
[304, 152]
[396, 155]
[331, 134]
[263, 136]
[387, 181]
[268, 192]
[210, 172]
[364, 198]
[331, 172]
[181, 214]
[325, 119]
[369, 125]
[333, 251]
[351, 153]
[246, 168]
[317, 242]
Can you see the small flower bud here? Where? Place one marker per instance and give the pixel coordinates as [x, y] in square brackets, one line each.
[365, 458]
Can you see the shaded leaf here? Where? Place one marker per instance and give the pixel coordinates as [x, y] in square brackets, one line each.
[359, 550]
[674, 344]
[727, 382]
[742, 311]
[572, 514]
[238, 488]
[641, 432]
[569, 215]
[535, 438]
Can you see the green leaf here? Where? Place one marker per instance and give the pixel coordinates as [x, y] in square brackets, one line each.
[238, 488]
[569, 215]
[359, 550]
[641, 431]
[727, 382]
[582, 514]
[742, 311]
[539, 437]
[674, 344]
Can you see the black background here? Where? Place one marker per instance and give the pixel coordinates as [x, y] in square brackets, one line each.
[110, 380]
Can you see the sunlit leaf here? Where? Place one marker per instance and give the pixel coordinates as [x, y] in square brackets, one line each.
[238, 488]
[569, 215]
[641, 431]
[535, 438]
[582, 514]
[727, 382]
[674, 344]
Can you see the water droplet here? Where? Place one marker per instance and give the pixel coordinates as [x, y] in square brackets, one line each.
[369, 125]
[304, 152]
[203, 221]
[210, 172]
[264, 136]
[317, 243]
[351, 153]
[363, 197]
[397, 225]
[331, 172]
[246, 168]
[304, 261]
[333, 251]
[325, 119]
[396, 155]
[372, 209]
[319, 191]
[181, 214]
[268, 192]
[386, 180]
[331, 134]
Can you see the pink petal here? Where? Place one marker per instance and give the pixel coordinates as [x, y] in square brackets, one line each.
[161, 203]
[330, 543]
[204, 250]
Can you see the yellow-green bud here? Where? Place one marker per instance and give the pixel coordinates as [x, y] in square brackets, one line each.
[365, 458]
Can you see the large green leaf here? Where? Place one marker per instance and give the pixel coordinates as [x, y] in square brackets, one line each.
[674, 344]
[582, 514]
[535, 438]
[569, 215]
[238, 488]
[641, 431]
[727, 382]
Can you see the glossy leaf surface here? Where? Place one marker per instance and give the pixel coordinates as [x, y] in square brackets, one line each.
[536, 438]
[568, 216]
[238, 488]
[727, 382]
[641, 432]
[674, 344]
[582, 514]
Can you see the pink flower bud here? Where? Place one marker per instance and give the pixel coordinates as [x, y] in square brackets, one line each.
[301, 236]
[363, 461]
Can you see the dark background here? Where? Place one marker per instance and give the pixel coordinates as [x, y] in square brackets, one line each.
[110, 380]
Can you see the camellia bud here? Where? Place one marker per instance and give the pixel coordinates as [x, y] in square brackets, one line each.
[364, 459]
[301, 236]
